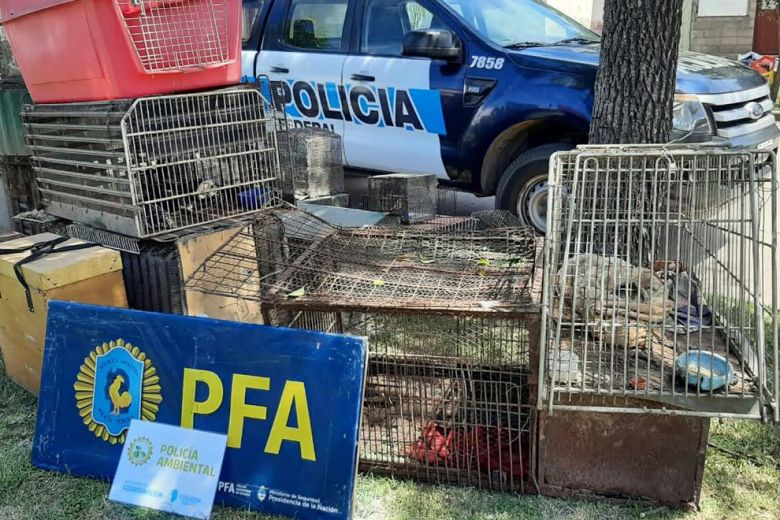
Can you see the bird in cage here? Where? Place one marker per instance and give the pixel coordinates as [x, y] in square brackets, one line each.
[619, 302]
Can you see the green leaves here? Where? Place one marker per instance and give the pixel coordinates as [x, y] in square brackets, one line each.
[300, 293]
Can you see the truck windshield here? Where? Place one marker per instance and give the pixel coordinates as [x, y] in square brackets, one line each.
[520, 23]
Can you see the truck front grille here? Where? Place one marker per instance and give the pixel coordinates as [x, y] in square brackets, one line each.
[738, 113]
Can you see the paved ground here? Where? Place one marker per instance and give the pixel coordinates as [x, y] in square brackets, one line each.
[452, 202]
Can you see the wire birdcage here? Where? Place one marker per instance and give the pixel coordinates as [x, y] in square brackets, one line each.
[311, 162]
[660, 282]
[381, 267]
[156, 165]
[451, 315]
[412, 197]
[304, 261]
[177, 35]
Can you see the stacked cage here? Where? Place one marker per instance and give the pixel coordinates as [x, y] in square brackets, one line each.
[115, 49]
[660, 288]
[311, 163]
[451, 320]
[153, 166]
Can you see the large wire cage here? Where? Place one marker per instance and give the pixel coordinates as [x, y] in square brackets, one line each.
[156, 165]
[413, 268]
[660, 282]
[451, 317]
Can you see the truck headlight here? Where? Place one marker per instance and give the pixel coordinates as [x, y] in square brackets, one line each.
[690, 122]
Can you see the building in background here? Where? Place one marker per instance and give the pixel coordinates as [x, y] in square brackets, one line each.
[589, 13]
[723, 27]
[720, 27]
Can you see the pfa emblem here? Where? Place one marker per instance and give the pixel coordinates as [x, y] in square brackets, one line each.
[116, 384]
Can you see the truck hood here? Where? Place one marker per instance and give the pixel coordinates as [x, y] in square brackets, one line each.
[696, 73]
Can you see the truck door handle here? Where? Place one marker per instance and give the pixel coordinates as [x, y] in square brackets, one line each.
[280, 70]
[363, 77]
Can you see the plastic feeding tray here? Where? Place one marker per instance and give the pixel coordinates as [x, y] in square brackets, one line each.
[705, 370]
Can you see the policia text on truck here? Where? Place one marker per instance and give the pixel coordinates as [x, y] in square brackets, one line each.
[478, 92]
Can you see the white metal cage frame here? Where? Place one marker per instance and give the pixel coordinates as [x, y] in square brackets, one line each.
[177, 35]
[660, 290]
[156, 165]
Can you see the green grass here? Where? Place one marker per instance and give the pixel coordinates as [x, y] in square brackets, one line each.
[734, 488]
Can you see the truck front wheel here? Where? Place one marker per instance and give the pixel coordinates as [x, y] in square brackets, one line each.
[522, 188]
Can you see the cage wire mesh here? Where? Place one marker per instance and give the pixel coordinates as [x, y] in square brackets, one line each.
[414, 198]
[438, 223]
[104, 238]
[302, 260]
[156, 165]
[450, 317]
[479, 220]
[447, 398]
[446, 201]
[177, 35]
[381, 267]
[36, 222]
[19, 180]
[311, 162]
[660, 282]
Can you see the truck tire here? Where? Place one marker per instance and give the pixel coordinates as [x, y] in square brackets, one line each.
[522, 188]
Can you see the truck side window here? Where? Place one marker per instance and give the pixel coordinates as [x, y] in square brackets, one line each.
[251, 8]
[315, 24]
[387, 22]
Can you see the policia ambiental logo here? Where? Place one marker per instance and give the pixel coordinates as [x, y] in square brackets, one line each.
[139, 451]
[116, 384]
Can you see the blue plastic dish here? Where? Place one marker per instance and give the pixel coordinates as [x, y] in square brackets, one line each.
[253, 199]
[706, 370]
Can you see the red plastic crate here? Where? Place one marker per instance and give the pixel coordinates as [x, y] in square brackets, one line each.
[90, 50]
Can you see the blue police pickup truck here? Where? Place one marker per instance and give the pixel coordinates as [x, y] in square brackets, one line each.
[478, 92]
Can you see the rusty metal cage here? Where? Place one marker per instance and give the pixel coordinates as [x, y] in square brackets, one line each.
[447, 399]
[156, 165]
[384, 267]
[451, 317]
[660, 282]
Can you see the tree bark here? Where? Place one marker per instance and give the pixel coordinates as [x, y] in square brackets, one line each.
[635, 84]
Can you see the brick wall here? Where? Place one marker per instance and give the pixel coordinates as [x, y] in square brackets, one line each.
[723, 36]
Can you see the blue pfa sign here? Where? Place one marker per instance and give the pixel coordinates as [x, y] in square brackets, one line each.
[288, 400]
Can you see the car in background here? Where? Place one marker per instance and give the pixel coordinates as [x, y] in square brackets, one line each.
[478, 92]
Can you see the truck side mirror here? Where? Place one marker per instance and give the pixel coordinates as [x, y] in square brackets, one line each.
[437, 44]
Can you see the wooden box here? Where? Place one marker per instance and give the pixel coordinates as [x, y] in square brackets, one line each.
[92, 275]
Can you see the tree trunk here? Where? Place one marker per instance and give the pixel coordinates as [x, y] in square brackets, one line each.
[636, 79]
